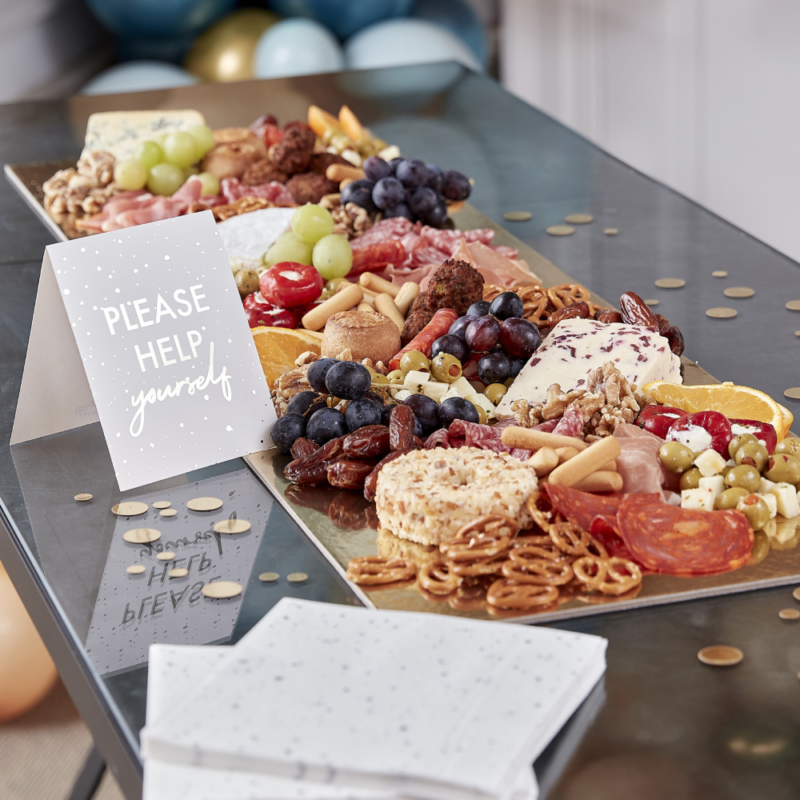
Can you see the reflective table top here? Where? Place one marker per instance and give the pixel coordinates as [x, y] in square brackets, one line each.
[662, 724]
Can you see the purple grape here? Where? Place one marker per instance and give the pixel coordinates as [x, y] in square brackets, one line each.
[457, 408]
[437, 216]
[375, 398]
[435, 178]
[376, 168]
[303, 401]
[483, 334]
[286, 430]
[348, 380]
[516, 366]
[506, 305]
[360, 193]
[387, 193]
[412, 173]
[449, 343]
[317, 373]
[519, 338]
[386, 414]
[426, 410]
[479, 309]
[394, 164]
[361, 413]
[326, 424]
[459, 327]
[422, 201]
[400, 210]
[456, 186]
[494, 368]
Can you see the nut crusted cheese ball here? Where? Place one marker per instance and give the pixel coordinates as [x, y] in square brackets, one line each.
[428, 495]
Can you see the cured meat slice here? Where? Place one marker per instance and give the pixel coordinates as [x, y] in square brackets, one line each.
[485, 437]
[570, 424]
[440, 438]
[638, 463]
[393, 228]
[581, 508]
[274, 192]
[376, 257]
[679, 541]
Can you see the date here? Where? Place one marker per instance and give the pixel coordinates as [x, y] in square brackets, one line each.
[302, 448]
[635, 311]
[349, 511]
[675, 339]
[371, 483]
[576, 310]
[349, 473]
[305, 474]
[607, 315]
[371, 441]
[401, 429]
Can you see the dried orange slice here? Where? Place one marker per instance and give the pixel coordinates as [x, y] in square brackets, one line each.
[278, 348]
[736, 402]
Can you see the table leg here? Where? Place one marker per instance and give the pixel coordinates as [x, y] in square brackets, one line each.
[90, 776]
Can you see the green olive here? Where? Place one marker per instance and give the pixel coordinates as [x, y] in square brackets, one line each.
[752, 453]
[755, 509]
[729, 498]
[691, 479]
[790, 446]
[396, 376]
[446, 368]
[509, 382]
[482, 418]
[676, 457]
[494, 392]
[738, 441]
[783, 468]
[381, 379]
[760, 548]
[413, 359]
[745, 477]
[246, 282]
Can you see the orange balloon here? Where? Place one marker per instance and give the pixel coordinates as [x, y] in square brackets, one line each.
[27, 672]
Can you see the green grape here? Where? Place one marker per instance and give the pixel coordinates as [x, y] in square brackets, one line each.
[310, 223]
[288, 247]
[164, 179]
[159, 139]
[180, 149]
[332, 256]
[203, 138]
[189, 171]
[210, 183]
[130, 175]
[149, 154]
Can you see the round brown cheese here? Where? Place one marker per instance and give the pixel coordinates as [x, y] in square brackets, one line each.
[365, 333]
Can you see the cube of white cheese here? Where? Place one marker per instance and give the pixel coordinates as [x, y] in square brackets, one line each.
[714, 482]
[575, 347]
[484, 402]
[700, 499]
[710, 463]
[786, 497]
[462, 387]
[416, 380]
[451, 392]
[784, 531]
[436, 390]
[401, 395]
[773, 529]
[766, 485]
[772, 503]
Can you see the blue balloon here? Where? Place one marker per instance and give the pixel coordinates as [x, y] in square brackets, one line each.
[459, 18]
[297, 47]
[163, 48]
[157, 18]
[138, 76]
[343, 17]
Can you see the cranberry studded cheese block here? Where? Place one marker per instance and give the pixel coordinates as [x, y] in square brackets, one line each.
[575, 347]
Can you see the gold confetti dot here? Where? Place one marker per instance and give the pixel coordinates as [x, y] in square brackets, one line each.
[169, 512]
[670, 283]
[129, 509]
[141, 535]
[232, 526]
[793, 305]
[268, 577]
[296, 577]
[719, 273]
[720, 312]
[789, 613]
[83, 497]
[651, 302]
[162, 504]
[222, 590]
[135, 569]
[720, 655]
[204, 504]
[610, 231]
[165, 556]
[793, 393]
[797, 333]
[517, 216]
[796, 593]
[560, 230]
[739, 292]
[579, 219]
[178, 572]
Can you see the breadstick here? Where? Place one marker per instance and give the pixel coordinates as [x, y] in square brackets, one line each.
[544, 461]
[364, 307]
[339, 172]
[342, 285]
[375, 283]
[346, 182]
[369, 292]
[385, 305]
[529, 439]
[341, 301]
[566, 453]
[601, 481]
[590, 460]
[406, 296]
[369, 295]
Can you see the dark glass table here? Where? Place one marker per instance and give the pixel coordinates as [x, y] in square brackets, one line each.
[661, 724]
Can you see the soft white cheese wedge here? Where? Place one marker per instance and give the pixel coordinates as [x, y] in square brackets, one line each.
[786, 497]
[714, 482]
[575, 347]
[415, 380]
[700, 499]
[710, 463]
[436, 390]
[772, 504]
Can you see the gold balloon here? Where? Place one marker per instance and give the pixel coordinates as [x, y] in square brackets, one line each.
[27, 672]
[225, 51]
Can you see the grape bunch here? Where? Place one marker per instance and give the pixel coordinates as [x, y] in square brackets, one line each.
[407, 187]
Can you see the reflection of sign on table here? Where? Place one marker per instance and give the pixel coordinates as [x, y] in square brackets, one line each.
[134, 611]
[163, 342]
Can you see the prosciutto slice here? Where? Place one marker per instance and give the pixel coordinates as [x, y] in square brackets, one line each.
[639, 464]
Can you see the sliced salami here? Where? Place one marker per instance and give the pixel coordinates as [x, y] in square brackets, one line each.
[581, 508]
[679, 541]
[383, 231]
[438, 438]
[571, 424]
[485, 437]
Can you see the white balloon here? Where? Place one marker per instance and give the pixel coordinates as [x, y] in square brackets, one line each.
[138, 76]
[297, 46]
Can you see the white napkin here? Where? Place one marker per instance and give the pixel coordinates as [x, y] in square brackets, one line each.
[413, 704]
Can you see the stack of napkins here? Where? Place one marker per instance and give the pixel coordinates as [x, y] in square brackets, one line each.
[327, 701]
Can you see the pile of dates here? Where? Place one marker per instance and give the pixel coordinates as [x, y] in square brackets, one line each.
[354, 461]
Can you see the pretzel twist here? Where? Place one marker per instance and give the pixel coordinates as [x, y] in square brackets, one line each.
[613, 576]
[377, 570]
[511, 596]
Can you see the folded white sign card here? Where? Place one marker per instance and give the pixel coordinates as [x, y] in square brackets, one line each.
[157, 329]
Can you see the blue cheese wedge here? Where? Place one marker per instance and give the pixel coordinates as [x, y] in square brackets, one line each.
[119, 132]
[575, 347]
